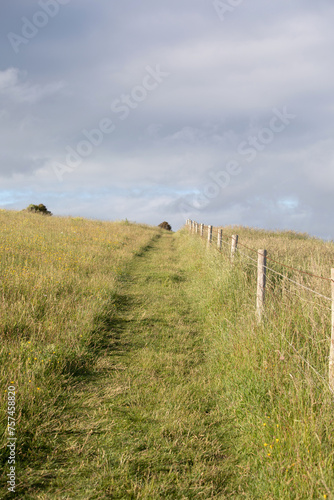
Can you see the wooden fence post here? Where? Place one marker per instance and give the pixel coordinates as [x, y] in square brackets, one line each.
[196, 227]
[261, 283]
[209, 235]
[234, 245]
[202, 230]
[331, 354]
[219, 239]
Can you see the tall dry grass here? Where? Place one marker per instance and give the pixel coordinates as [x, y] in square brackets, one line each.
[274, 375]
[57, 292]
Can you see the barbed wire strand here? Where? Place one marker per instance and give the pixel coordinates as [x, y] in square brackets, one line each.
[275, 299]
[292, 281]
[299, 284]
[310, 301]
[285, 265]
[226, 242]
[248, 257]
[290, 291]
[286, 277]
[289, 308]
[302, 357]
[303, 286]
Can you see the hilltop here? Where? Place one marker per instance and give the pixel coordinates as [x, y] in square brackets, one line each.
[141, 370]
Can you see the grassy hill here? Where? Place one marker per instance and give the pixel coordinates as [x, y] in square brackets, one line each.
[274, 375]
[141, 371]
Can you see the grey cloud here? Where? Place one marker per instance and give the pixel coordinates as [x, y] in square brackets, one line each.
[225, 79]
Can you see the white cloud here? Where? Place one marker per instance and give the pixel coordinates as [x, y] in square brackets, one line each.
[225, 79]
[13, 85]
[8, 78]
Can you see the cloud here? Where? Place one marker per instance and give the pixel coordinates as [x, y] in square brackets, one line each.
[8, 79]
[14, 87]
[225, 79]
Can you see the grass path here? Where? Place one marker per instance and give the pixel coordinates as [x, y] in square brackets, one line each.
[145, 421]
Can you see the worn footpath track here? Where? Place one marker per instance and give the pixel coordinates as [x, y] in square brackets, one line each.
[145, 422]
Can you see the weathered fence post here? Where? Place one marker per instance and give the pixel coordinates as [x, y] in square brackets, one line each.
[219, 239]
[234, 245]
[261, 283]
[331, 354]
[196, 227]
[202, 230]
[209, 235]
[192, 226]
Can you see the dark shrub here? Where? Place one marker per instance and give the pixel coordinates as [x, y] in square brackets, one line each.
[38, 209]
[165, 225]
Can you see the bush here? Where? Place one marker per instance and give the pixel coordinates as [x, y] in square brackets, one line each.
[38, 209]
[165, 225]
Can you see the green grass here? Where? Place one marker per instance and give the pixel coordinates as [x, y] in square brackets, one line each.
[283, 409]
[58, 296]
[174, 390]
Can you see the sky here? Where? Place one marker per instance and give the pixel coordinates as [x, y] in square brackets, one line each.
[213, 110]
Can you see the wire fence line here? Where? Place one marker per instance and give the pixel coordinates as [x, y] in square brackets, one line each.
[266, 284]
[227, 239]
[300, 356]
[285, 265]
[299, 284]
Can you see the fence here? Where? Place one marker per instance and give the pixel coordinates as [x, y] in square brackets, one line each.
[261, 264]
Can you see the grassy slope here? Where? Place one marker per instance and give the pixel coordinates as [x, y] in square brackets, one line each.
[145, 421]
[58, 293]
[282, 408]
[186, 396]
